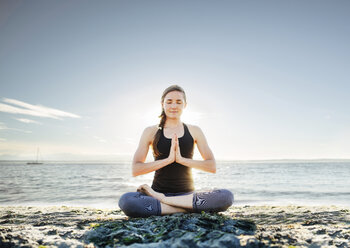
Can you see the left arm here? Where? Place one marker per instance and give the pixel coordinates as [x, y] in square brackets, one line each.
[208, 163]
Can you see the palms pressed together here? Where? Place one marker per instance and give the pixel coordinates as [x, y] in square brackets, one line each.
[174, 156]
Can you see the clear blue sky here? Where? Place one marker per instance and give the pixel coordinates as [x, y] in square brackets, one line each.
[264, 79]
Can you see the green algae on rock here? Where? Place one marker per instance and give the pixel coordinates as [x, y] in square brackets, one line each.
[189, 230]
[239, 226]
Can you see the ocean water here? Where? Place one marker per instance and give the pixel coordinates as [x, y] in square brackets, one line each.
[100, 184]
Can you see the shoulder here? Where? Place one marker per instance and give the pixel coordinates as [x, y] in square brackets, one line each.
[149, 132]
[195, 131]
[193, 128]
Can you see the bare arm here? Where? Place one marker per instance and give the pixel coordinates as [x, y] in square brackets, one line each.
[208, 163]
[139, 167]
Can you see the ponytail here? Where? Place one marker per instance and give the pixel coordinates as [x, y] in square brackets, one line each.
[158, 133]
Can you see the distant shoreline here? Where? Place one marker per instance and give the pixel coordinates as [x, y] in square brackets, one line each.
[316, 160]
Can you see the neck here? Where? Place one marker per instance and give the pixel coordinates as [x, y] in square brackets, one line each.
[172, 122]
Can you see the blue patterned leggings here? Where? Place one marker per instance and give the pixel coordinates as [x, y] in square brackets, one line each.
[136, 204]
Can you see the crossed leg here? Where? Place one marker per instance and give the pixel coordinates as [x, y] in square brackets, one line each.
[167, 209]
[212, 201]
[169, 204]
[147, 202]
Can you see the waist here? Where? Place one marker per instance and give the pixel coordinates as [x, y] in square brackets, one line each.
[177, 194]
[172, 182]
[173, 189]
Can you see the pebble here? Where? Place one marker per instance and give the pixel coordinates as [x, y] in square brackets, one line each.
[248, 226]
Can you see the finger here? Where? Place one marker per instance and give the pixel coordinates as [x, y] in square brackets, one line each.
[141, 189]
[175, 142]
[178, 149]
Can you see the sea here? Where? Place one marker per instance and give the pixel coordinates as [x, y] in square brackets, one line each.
[100, 184]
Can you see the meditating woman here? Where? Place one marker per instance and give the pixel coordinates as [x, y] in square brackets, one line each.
[172, 189]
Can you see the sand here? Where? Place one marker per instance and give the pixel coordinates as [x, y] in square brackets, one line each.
[240, 226]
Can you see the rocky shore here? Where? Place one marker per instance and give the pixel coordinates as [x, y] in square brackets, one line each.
[240, 226]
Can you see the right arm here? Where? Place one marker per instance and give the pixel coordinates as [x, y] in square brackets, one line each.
[139, 167]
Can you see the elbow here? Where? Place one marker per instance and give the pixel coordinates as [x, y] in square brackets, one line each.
[133, 171]
[213, 169]
[210, 166]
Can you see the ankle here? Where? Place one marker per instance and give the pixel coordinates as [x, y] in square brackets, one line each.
[162, 198]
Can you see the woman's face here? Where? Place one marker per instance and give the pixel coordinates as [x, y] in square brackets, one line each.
[173, 104]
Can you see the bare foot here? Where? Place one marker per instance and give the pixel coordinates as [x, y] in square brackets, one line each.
[144, 188]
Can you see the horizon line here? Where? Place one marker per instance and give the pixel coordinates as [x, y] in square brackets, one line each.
[218, 160]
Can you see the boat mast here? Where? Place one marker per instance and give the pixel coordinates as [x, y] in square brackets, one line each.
[37, 155]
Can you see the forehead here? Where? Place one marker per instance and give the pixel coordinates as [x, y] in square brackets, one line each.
[174, 95]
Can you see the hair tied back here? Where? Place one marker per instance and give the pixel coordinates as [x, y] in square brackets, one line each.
[163, 116]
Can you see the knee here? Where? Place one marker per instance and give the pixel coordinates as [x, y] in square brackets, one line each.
[135, 204]
[128, 205]
[226, 199]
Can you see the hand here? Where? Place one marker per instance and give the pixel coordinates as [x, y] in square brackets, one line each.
[172, 154]
[178, 157]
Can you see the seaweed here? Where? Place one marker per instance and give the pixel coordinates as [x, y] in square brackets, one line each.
[188, 230]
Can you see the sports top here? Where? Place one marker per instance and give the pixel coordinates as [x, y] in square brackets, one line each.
[175, 177]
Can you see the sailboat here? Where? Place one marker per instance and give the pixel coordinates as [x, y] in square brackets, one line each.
[37, 158]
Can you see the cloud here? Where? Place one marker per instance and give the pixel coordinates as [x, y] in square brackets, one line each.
[130, 141]
[33, 110]
[4, 127]
[27, 121]
[2, 139]
[100, 139]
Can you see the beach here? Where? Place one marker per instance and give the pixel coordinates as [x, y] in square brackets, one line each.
[71, 204]
[239, 226]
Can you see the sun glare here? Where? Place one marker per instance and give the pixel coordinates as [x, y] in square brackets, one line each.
[191, 117]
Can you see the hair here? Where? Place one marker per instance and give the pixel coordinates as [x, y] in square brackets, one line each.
[163, 116]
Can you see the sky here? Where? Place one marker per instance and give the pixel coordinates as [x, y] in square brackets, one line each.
[264, 79]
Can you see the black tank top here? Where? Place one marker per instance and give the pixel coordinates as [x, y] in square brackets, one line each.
[175, 177]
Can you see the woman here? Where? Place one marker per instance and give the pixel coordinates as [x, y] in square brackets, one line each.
[172, 190]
